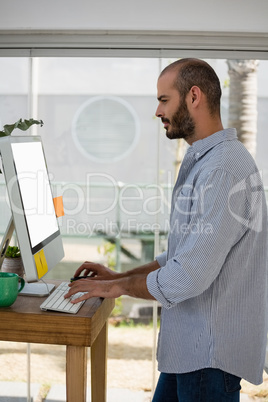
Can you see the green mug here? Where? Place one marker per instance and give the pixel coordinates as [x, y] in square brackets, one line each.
[9, 288]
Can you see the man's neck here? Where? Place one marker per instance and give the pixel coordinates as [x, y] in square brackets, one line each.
[205, 130]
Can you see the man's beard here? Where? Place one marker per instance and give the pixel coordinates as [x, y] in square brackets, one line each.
[182, 124]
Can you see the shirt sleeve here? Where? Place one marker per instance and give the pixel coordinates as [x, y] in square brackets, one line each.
[162, 259]
[217, 218]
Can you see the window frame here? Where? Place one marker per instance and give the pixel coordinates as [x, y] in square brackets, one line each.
[129, 43]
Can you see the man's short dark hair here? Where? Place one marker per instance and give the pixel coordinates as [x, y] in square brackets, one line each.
[197, 72]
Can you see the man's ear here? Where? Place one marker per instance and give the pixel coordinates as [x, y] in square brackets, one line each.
[194, 96]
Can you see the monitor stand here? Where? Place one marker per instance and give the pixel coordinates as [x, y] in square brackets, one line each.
[39, 289]
[6, 240]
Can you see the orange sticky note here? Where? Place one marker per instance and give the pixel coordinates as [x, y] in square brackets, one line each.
[58, 205]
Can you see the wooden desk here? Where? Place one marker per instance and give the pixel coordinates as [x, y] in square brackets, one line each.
[25, 322]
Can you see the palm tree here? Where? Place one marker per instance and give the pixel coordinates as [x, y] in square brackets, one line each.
[243, 101]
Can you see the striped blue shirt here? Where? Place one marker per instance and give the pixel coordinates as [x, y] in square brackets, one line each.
[212, 279]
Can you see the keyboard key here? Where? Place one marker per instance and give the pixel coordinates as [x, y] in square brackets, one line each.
[56, 301]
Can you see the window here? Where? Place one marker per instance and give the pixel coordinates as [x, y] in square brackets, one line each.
[106, 129]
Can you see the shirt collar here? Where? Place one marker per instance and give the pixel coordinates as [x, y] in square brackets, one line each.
[200, 147]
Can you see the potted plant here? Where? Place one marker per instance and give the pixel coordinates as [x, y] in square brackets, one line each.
[13, 261]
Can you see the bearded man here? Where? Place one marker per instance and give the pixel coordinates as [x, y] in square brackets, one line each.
[211, 284]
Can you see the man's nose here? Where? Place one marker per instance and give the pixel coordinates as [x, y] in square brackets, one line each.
[158, 112]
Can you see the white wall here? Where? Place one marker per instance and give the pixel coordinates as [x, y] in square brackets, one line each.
[178, 15]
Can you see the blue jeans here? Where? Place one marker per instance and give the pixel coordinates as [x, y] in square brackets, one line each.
[205, 385]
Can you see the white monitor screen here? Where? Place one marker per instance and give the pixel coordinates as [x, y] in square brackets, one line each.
[35, 191]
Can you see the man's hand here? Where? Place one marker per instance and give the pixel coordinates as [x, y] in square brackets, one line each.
[97, 271]
[103, 282]
[94, 288]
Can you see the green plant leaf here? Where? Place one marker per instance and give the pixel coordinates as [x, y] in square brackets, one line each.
[12, 252]
[21, 124]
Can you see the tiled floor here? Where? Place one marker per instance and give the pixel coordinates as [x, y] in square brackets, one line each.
[17, 392]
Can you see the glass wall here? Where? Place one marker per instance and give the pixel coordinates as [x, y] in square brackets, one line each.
[106, 152]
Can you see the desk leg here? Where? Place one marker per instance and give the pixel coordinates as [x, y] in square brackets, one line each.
[99, 366]
[76, 373]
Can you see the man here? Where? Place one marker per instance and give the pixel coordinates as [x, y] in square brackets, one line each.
[211, 281]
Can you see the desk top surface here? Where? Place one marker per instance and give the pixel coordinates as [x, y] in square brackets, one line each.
[24, 321]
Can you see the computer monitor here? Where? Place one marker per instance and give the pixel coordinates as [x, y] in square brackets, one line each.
[31, 203]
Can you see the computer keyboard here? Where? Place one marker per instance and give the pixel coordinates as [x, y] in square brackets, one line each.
[56, 301]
